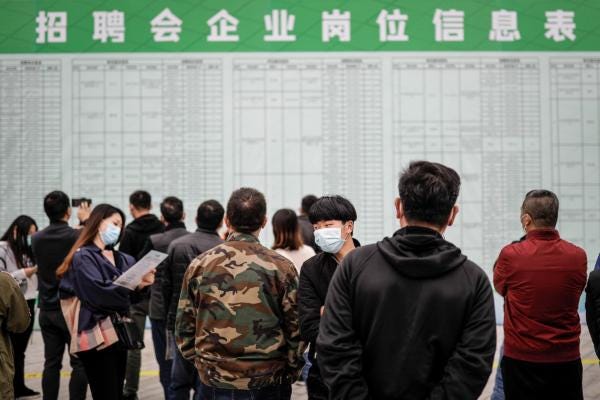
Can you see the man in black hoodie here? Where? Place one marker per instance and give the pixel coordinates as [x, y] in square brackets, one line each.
[410, 317]
[133, 243]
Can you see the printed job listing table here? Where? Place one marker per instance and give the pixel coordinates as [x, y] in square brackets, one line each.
[290, 124]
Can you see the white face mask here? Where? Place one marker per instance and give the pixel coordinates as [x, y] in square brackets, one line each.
[330, 239]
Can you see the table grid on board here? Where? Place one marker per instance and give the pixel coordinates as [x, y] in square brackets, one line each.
[30, 136]
[311, 126]
[480, 116]
[575, 113]
[153, 124]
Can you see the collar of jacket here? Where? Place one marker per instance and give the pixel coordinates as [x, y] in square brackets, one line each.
[175, 225]
[418, 230]
[242, 237]
[543, 234]
[203, 230]
[59, 223]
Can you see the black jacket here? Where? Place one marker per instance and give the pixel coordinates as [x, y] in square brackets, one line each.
[50, 247]
[592, 308]
[408, 318]
[137, 233]
[160, 242]
[181, 253]
[315, 275]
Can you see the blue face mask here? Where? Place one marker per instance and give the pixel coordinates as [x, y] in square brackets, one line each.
[329, 239]
[110, 235]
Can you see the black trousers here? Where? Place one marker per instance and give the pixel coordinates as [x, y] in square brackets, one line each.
[19, 343]
[56, 338]
[105, 370]
[545, 381]
[314, 383]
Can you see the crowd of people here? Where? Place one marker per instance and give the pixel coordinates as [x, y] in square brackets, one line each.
[408, 317]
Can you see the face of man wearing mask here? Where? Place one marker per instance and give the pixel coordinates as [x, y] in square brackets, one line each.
[331, 235]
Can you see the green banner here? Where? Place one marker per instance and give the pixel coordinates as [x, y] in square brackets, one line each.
[308, 25]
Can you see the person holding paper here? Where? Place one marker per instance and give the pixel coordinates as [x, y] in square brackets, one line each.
[88, 275]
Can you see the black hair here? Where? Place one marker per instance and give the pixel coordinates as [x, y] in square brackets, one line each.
[18, 245]
[428, 192]
[171, 209]
[56, 205]
[141, 200]
[542, 206]
[210, 214]
[332, 208]
[307, 202]
[246, 210]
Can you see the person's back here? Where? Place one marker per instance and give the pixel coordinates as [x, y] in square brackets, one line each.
[182, 252]
[239, 285]
[50, 247]
[237, 318]
[142, 227]
[298, 256]
[410, 317]
[542, 278]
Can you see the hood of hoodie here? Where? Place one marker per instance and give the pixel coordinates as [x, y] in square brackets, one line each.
[148, 223]
[420, 253]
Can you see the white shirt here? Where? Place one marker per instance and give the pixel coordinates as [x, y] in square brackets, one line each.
[297, 256]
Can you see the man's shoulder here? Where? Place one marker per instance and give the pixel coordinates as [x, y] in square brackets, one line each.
[573, 249]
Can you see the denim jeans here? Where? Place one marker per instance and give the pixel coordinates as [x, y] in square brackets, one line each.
[159, 339]
[184, 376]
[279, 392]
[498, 392]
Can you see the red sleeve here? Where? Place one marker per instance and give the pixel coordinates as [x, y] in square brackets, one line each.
[502, 272]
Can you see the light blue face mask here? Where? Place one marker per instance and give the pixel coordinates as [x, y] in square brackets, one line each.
[29, 240]
[110, 235]
[329, 239]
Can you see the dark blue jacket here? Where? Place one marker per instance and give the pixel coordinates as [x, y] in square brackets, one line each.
[90, 278]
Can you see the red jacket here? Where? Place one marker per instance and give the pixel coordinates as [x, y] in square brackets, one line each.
[541, 278]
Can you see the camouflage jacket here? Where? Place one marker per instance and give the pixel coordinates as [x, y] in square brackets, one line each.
[237, 318]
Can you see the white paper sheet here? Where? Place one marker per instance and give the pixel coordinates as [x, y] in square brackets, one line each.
[133, 276]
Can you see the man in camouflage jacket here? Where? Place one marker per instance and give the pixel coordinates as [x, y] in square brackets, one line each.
[237, 318]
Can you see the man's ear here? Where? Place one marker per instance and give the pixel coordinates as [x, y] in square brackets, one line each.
[350, 227]
[453, 214]
[265, 220]
[183, 217]
[399, 208]
[226, 220]
[68, 213]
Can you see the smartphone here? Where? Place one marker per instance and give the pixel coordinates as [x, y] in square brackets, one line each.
[77, 202]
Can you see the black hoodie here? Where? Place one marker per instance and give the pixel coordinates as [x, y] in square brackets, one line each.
[407, 318]
[137, 232]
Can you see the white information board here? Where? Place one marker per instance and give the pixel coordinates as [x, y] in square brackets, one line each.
[290, 124]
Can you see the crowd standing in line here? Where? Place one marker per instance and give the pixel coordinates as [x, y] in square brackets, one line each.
[408, 317]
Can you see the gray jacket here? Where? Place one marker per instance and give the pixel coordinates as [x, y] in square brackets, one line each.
[181, 253]
[160, 242]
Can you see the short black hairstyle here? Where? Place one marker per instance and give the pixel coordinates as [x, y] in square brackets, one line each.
[209, 215]
[428, 192]
[307, 202]
[542, 206]
[332, 208]
[141, 200]
[246, 210]
[171, 209]
[56, 205]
